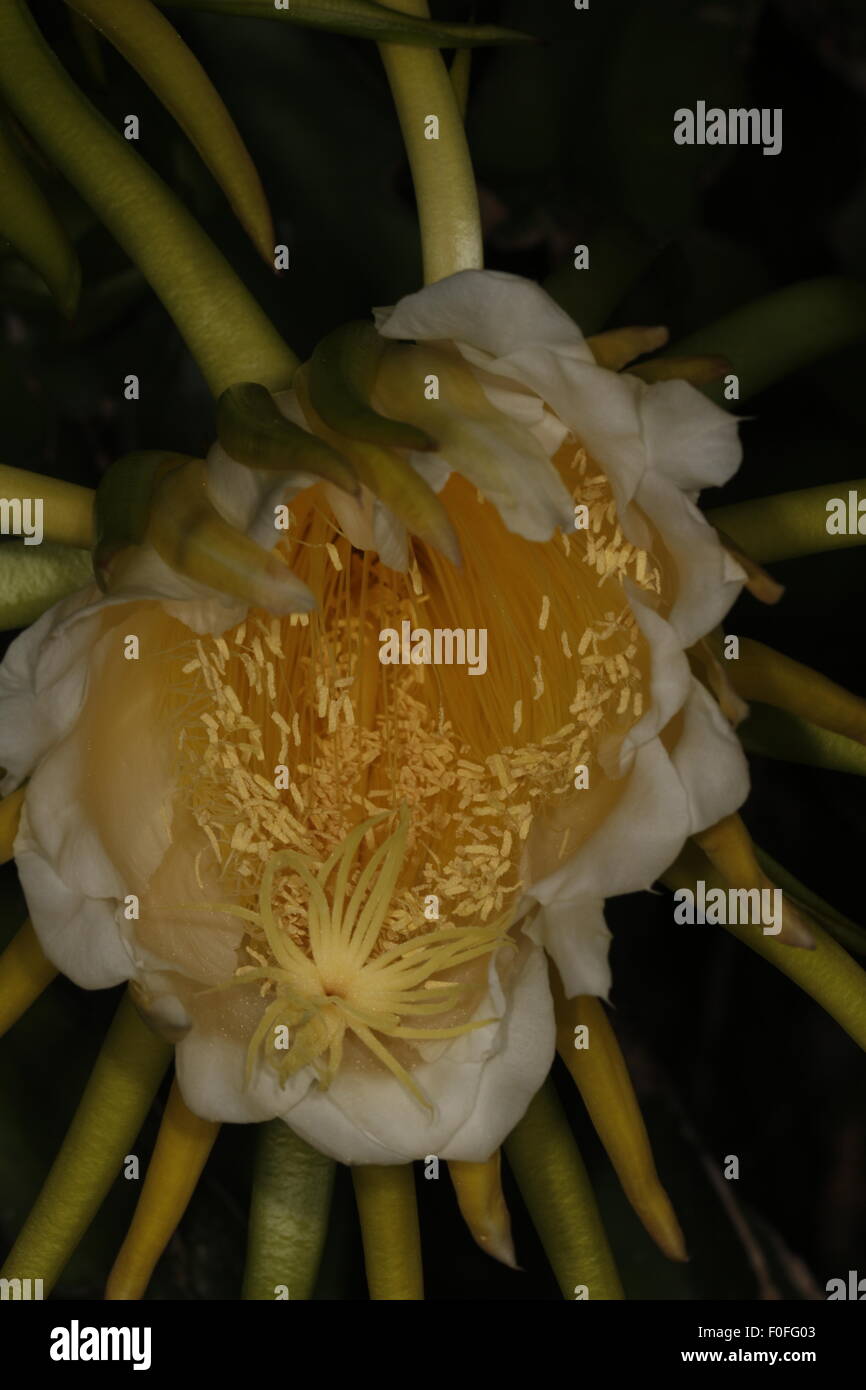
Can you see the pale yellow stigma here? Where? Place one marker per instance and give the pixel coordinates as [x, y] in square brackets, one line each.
[340, 983]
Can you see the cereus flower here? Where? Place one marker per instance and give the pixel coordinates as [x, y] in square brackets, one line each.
[331, 879]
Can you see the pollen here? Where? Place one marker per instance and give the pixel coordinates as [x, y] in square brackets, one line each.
[329, 795]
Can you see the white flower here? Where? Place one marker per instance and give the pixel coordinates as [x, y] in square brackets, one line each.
[216, 780]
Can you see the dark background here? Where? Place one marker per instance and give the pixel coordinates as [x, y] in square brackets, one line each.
[572, 141]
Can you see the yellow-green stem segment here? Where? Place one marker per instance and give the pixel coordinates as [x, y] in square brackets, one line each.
[388, 1212]
[25, 971]
[289, 1210]
[28, 221]
[775, 733]
[224, 328]
[827, 973]
[554, 1184]
[113, 1107]
[442, 173]
[182, 1148]
[34, 578]
[761, 673]
[157, 52]
[10, 817]
[67, 509]
[788, 524]
[781, 333]
[598, 1068]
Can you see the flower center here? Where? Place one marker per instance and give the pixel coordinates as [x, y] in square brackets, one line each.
[371, 826]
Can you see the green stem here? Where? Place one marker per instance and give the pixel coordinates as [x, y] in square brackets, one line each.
[553, 1182]
[827, 973]
[781, 333]
[775, 733]
[67, 509]
[388, 1213]
[787, 524]
[113, 1108]
[33, 579]
[161, 58]
[224, 328]
[289, 1212]
[441, 168]
[28, 221]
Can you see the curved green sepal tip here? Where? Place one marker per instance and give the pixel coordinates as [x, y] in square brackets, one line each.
[849, 934]
[122, 506]
[29, 223]
[289, 1210]
[343, 371]
[159, 55]
[253, 430]
[827, 973]
[363, 19]
[775, 733]
[188, 533]
[223, 326]
[553, 1182]
[392, 479]
[33, 578]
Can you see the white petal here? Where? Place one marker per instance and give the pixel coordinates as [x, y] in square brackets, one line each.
[210, 1072]
[43, 678]
[710, 762]
[670, 681]
[708, 579]
[692, 441]
[246, 497]
[575, 936]
[488, 309]
[666, 799]
[74, 916]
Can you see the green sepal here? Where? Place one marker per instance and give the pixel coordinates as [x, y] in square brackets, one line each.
[849, 934]
[775, 733]
[343, 372]
[252, 429]
[122, 506]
